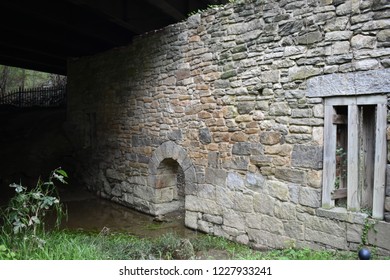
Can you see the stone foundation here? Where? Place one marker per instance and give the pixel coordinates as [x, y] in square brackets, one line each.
[234, 98]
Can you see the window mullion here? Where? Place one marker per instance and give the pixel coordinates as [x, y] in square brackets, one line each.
[353, 202]
[380, 162]
[329, 177]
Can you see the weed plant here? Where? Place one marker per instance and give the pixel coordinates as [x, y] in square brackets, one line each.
[23, 226]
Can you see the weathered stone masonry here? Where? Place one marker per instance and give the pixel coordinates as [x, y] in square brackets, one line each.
[229, 101]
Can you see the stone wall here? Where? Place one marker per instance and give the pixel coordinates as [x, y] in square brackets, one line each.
[231, 96]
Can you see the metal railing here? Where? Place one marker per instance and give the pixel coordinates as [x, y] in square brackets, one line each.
[35, 97]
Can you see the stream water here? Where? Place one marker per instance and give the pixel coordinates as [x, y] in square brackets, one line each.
[90, 213]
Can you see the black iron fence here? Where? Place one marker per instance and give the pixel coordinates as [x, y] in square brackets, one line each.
[35, 97]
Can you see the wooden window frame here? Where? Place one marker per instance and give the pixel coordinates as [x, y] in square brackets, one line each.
[330, 138]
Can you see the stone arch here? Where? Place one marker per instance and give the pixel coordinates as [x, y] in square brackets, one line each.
[172, 176]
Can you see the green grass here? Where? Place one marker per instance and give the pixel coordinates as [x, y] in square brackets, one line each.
[73, 245]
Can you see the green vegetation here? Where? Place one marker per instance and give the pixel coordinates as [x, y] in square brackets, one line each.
[12, 78]
[66, 245]
[23, 226]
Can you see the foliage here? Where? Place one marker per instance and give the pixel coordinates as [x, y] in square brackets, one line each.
[12, 78]
[23, 218]
[369, 224]
[6, 253]
[27, 208]
[78, 245]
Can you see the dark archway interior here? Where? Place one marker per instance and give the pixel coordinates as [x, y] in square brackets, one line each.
[171, 182]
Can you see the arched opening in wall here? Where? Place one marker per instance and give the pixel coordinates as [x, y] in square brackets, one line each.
[170, 188]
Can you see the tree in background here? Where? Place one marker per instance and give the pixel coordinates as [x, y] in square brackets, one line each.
[4, 73]
[12, 78]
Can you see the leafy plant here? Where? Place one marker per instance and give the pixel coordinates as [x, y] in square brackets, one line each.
[369, 224]
[6, 253]
[26, 210]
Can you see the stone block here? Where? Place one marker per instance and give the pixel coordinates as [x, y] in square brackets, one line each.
[294, 50]
[383, 35]
[294, 193]
[380, 5]
[348, 7]
[213, 219]
[366, 64]
[175, 135]
[290, 175]
[270, 240]
[303, 72]
[339, 23]
[290, 27]
[379, 236]
[272, 224]
[339, 48]
[363, 42]
[263, 204]
[114, 174]
[245, 107]
[332, 240]
[254, 181]
[165, 208]
[294, 229]
[314, 178]
[354, 233]
[278, 190]
[270, 76]
[261, 160]
[206, 191]
[216, 177]
[242, 148]
[164, 195]
[233, 219]
[301, 113]
[117, 190]
[279, 109]
[242, 202]
[204, 226]
[253, 220]
[207, 206]
[243, 239]
[144, 192]
[285, 210]
[204, 136]
[310, 197]
[191, 219]
[373, 81]
[143, 206]
[239, 136]
[270, 137]
[281, 150]
[310, 38]
[234, 181]
[307, 156]
[318, 135]
[213, 159]
[224, 197]
[236, 163]
[127, 187]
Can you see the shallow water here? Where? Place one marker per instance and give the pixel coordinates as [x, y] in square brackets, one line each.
[89, 213]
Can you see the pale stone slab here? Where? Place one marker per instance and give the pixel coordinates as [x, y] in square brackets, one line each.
[364, 82]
